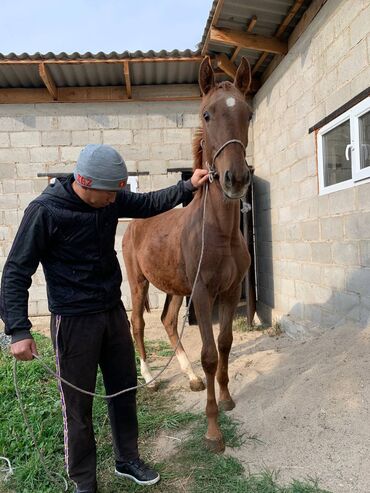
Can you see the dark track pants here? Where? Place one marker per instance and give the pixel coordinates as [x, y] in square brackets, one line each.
[81, 344]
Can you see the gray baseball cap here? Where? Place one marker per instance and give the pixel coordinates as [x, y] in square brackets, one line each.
[101, 167]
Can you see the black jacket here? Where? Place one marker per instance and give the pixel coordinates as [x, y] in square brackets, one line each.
[75, 244]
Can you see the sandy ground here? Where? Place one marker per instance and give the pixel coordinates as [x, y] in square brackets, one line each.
[303, 403]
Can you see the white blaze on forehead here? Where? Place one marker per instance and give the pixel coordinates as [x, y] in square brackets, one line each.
[230, 102]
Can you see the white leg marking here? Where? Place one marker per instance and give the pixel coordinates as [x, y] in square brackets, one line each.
[145, 371]
[186, 365]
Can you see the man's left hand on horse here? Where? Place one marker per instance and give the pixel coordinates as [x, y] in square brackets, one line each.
[200, 176]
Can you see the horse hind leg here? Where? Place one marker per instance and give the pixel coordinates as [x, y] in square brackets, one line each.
[227, 307]
[139, 300]
[170, 319]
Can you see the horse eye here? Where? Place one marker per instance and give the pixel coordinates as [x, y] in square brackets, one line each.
[206, 116]
[250, 117]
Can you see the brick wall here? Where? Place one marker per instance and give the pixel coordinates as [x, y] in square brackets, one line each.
[48, 138]
[313, 251]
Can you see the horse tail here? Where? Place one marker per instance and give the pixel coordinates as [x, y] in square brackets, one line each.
[146, 303]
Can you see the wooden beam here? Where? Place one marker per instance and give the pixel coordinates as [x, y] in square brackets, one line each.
[52, 61]
[226, 65]
[250, 28]
[281, 29]
[230, 69]
[299, 29]
[94, 94]
[214, 20]
[48, 80]
[250, 41]
[126, 71]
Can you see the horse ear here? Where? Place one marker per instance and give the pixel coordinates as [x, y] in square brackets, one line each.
[206, 76]
[243, 76]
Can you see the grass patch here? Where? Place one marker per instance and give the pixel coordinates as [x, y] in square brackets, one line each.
[189, 468]
[240, 324]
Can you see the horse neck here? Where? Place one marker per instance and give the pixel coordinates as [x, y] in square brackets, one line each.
[223, 212]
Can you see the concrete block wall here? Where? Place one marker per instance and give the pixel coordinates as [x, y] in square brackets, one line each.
[312, 251]
[44, 138]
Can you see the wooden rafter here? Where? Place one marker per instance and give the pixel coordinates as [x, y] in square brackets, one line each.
[89, 94]
[229, 68]
[245, 40]
[281, 29]
[250, 28]
[48, 80]
[126, 71]
[302, 25]
[215, 17]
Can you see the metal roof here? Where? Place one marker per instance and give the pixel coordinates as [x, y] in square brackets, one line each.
[153, 68]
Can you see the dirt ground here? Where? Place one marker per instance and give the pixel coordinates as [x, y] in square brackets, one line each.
[304, 404]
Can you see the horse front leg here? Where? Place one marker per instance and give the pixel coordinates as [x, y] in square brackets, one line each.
[169, 319]
[203, 309]
[227, 306]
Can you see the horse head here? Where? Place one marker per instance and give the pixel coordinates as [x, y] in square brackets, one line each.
[225, 117]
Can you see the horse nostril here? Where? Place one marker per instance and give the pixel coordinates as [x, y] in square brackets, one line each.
[228, 178]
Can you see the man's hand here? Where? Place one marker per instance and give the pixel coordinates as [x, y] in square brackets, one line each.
[200, 176]
[22, 350]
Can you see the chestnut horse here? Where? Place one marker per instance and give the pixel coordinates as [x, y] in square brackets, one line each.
[165, 250]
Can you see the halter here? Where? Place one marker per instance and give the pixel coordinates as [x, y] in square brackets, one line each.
[213, 173]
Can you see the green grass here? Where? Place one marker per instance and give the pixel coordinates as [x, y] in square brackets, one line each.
[189, 468]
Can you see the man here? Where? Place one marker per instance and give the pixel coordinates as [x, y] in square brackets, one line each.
[70, 228]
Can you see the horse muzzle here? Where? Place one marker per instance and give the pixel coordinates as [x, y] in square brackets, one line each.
[235, 186]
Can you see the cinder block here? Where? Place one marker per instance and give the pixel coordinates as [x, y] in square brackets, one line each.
[25, 139]
[345, 253]
[358, 281]
[73, 122]
[333, 276]
[11, 124]
[70, 153]
[180, 163]
[133, 152]
[56, 138]
[8, 186]
[84, 137]
[165, 151]
[177, 136]
[7, 171]
[44, 154]
[357, 226]
[132, 122]
[353, 63]
[332, 228]
[311, 272]
[145, 137]
[24, 171]
[4, 139]
[8, 201]
[154, 167]
[301, 251]
[14, 155]
[310, 230]
[40, 122]
[365, 253]
[288, 287]
[102, 121]
[120, 137]
[186, 151]
[24, 186]
[321, 252]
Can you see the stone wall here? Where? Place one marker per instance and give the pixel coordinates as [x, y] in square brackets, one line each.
[43, 138]
[313, 251]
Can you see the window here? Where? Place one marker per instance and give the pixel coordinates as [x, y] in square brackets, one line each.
[344, 149]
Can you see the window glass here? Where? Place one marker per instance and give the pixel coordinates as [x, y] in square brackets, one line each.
[364, 125]
[336, 167]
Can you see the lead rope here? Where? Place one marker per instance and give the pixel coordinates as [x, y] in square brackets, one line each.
[58, 377]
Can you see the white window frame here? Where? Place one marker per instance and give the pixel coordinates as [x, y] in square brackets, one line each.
[358, 175]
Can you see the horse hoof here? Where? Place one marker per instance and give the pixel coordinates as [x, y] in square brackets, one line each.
[226, 405]
[153, 387]
[197, 385]
[215, 445]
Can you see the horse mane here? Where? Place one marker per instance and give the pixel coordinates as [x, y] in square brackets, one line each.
[197, 149]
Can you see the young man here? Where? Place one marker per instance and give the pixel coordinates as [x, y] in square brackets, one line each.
[70, 228]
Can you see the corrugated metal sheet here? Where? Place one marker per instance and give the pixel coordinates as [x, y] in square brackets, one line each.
[236, 14]
[100, 74]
